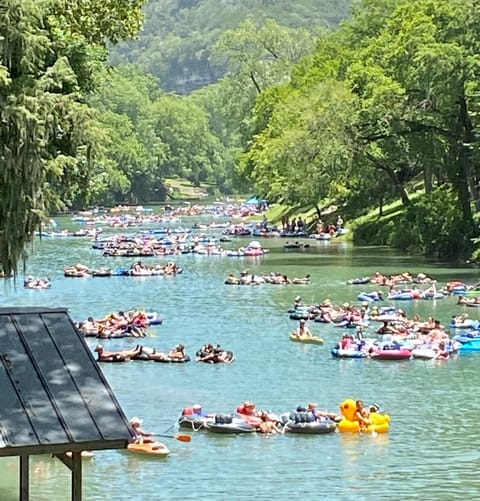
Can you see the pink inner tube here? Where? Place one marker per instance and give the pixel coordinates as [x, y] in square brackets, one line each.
[400, 354]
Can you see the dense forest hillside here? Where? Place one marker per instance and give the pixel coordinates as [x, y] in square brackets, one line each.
[176, 41]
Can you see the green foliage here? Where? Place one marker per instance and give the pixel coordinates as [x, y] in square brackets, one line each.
[433, 226]
[49, 50]
[412, 71]
[302, 154]
[176, 42]
[299, 114]
[191, 150]
[150, 135]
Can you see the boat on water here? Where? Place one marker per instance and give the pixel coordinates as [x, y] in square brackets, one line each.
[379, 421]
[152, 449]
[296, 245]
[424, 353]
[254, 248]
[468, 344]
[101, 272]
[37, 283]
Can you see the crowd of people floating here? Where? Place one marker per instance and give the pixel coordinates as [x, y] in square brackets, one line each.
[354, 416]
[208, 353]
[246, 278]
[131, 323]
[400, 336]
[138, 268]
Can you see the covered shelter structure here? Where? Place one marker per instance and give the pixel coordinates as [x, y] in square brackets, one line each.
[54, 398]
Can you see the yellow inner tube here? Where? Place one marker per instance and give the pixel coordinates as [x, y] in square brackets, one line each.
[380, 422]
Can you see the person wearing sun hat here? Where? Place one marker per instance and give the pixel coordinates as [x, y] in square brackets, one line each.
[198, 410]
[194, 410]
[247, 408]
[139, 435]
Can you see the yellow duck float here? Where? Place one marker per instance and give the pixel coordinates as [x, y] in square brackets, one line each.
[379, 423]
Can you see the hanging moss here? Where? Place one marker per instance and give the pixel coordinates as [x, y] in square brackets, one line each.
[41, 119]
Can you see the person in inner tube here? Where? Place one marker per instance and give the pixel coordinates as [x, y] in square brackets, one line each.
[302, 330]
[116, 356]
[177, 353]
[362, 415]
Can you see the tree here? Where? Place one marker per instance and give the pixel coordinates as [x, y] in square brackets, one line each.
[182, 128]
[176, 42]
[304, 154]
[429, 51]
[49, 52]
[122, 101]
[257, 57]
[412, 69]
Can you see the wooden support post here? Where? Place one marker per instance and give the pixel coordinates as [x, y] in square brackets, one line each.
[24, 478]
[74, 464]
[77, 476]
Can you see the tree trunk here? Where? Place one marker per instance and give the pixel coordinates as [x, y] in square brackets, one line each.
[464, 165]
[393, 176]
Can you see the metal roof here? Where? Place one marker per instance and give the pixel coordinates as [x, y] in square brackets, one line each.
[53, 395]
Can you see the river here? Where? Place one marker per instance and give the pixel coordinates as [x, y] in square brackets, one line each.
[431, 451]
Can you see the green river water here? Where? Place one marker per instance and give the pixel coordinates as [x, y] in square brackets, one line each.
[431, 451]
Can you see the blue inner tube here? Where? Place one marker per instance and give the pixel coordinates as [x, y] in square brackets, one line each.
[401, 296]
[155, 319]
[370, 297]
[339, 353]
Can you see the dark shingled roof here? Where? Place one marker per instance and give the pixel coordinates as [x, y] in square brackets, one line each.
[53, 395]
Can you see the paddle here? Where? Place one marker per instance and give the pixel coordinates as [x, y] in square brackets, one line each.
[181, 438]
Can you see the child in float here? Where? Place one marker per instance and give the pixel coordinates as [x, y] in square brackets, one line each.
[362, 415]
[267, 424]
